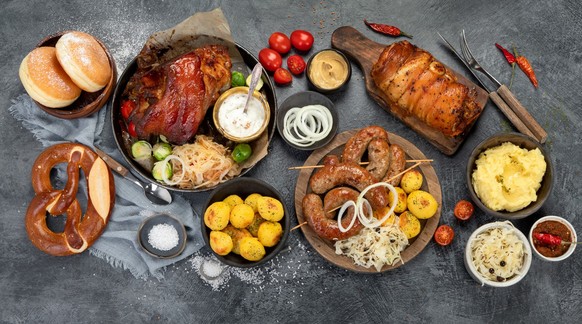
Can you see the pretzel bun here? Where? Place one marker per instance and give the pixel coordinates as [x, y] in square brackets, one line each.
[84, 60]
[45, 80]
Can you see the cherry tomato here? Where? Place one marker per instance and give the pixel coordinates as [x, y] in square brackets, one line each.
[296, 64]
[126, 108]
[464, 209]
[280, 43]
[282, 76]
[131, 129]
[444, 235]
[270, 59]
[302, 40]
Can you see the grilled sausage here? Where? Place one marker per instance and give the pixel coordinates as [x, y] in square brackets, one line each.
[397, 165]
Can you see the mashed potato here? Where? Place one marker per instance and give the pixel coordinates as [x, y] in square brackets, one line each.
[507, 177]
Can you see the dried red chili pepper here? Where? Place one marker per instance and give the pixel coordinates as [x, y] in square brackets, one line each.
[386, 29]
[526, 67]
[548, 239]
[508, 56]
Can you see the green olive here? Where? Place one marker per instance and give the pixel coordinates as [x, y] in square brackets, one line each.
[237, 79]
[241, 152]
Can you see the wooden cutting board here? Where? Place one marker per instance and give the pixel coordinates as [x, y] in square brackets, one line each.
[365, 53]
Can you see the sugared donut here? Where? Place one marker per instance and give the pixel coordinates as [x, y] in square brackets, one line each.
[84, 60]
[45, 80]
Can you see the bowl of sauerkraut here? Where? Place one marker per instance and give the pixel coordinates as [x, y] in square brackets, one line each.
[498, 255]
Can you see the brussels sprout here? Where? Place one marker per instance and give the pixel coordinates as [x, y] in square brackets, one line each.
[161, 150]
[161, 168]
[141, 149]
[241, 152]
[237, 79]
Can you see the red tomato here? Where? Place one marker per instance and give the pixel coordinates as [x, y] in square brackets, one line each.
[302, 40]
[282, 76]
[270, 59]
[131, 129]
[464, 209]
[126, 108]
[280, 43]
[296, 64]
[444, 235]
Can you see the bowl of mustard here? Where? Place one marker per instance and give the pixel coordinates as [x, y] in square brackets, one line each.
[328, 71]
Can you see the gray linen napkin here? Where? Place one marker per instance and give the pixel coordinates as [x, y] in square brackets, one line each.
[118, 244]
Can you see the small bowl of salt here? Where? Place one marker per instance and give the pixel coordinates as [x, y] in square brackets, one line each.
[162, 236]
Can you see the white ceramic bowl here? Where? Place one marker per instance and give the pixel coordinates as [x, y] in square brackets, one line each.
[563, 221]
[486, 281]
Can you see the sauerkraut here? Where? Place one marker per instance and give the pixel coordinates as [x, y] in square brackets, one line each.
[498, 253]
[374, 246]
[206, 164]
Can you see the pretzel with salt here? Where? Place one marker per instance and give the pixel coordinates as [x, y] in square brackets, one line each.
[80, 230]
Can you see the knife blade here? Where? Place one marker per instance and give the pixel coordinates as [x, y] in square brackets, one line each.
[499, 102]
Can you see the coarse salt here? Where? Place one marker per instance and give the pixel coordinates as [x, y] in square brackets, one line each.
[163, 237]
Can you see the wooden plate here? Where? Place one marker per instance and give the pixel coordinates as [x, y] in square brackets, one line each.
[326, 247]
[366, 52]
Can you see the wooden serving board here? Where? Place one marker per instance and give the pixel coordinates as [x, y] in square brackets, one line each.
[325, 247]
[366, 52]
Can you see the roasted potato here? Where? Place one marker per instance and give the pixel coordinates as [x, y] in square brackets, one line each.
[379, 214]
[251, 200]
[422, 204]
[401, 204]
[220, 242]
[270, 233]
[217, 215]
[233, 200]
[251, 249]
[409, 224]
[254, 226]
[241, 216]
[411, 181]
[236, 235]
[270, 209]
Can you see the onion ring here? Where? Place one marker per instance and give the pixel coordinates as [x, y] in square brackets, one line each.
[309, 124]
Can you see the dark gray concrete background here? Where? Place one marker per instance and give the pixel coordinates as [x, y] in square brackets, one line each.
[300, 286]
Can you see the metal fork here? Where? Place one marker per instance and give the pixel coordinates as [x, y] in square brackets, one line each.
[509, 98]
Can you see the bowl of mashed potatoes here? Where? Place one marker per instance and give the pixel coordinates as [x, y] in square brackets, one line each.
[509, 175]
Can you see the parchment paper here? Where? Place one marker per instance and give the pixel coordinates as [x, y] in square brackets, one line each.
[200, 29]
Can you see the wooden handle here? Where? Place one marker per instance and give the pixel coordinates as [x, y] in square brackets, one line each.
[523, 114]
[114, 165]
[513, 118]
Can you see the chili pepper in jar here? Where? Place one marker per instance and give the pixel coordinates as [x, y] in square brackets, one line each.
[548, 239]
[386, 29]
[526, 67]
[510, 59]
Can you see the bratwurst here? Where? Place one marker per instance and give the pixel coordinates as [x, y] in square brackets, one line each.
[322, 221]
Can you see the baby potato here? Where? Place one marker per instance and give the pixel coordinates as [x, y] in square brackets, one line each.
[251, 249]
[270, 233]
[411, 181]
[233, 200]
[254, 227]
[422, 204]
[220, 242]
[251, 200]
[217, 215]
[270, 209]
[241, 216]
[401, 204]
[409, 224]
[379, 214]
[236, 235]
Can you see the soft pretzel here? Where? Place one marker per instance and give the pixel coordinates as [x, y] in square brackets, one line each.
[80, 230]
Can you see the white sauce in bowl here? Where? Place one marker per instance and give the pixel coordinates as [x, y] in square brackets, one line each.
[235, 121]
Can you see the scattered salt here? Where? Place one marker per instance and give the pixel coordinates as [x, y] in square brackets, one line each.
[163, 237]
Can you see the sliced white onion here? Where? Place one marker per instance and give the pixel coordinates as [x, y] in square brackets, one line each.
[166, 161]
[340, 214]
[368, 221]
[307, 125]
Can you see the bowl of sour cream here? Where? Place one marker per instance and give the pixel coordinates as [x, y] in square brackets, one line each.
[236, 124]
